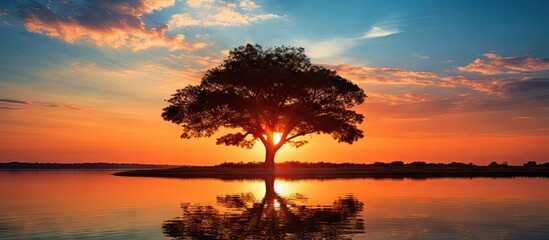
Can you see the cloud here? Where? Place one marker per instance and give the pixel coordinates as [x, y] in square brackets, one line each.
[10, 104]
[524, 88]
[411, 105]
[522, 118]
[198, 3]
[495, 64]
[219, 13]
[406, 98]
[13, 108]
[486, 85]
[80, 67]
[431, 94]
[183, 20]
[4, 100]
[333, 47]
[376, 32]
[506, 87]
[177, 76]
[420, 56]
[62, 106]
[327, 48]
[534, 84]
[385, 75]
[102, 22]
[248, 5]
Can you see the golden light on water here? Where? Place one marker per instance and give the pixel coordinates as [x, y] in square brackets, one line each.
[283, 187]
[280, 187]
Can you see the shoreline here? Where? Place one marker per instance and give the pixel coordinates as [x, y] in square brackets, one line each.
[378, 172]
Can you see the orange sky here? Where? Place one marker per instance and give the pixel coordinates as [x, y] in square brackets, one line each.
[58, 135]
[441, 86]
[122, 124]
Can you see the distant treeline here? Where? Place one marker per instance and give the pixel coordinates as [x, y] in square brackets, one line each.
[395, 163]
[289, 164]
[99, 165]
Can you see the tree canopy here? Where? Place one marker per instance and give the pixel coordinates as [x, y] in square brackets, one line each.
[262, 93]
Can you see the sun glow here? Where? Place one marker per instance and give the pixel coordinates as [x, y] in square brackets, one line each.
[277, 136]
[281, 187]
[285, 188]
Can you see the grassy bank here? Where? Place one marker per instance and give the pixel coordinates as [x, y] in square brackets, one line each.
[247, 171]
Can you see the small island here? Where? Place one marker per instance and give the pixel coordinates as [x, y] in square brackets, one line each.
[322, 170]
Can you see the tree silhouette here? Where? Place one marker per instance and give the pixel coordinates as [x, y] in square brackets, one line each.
[265, 93]
[273, 217]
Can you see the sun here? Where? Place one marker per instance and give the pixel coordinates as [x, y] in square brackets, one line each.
[277, 136]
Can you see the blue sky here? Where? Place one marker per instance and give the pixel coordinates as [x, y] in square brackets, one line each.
[459, 31]
[461, 70]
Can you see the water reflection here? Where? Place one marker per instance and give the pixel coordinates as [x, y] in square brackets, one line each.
[242, 216]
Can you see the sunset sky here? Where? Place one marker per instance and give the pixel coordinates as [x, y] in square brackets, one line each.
[85, 80]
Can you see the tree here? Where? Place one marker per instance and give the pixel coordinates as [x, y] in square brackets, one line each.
[272, 217]
[268, 94]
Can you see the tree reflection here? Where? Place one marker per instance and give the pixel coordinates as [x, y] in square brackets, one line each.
[272, 217]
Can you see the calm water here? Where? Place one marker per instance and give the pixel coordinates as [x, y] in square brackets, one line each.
[97, 205]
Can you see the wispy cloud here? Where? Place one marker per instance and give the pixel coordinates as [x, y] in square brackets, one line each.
[377, 32]
[4, 100]
[199, 3]
[505, 87]
[16, 104]
[417, 105]
[406, 98]
[79, 67]
[327, 48]
[62, 106]
[421, 56]
[336, 46]
[13, 108]
[495, 64]
[210, 13]
[396, 76]
[508, 87]
[248, 5]
[522, 117]
[486, 85]
[405, 93]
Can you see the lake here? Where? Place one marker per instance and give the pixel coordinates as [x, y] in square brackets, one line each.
[98, 205]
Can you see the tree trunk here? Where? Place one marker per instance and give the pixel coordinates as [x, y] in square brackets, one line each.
[269, 187]
[269, 157]
[270, 197]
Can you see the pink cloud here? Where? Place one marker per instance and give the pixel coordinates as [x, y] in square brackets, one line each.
[219, 13]
[487, 85]
[385, 75]
[495, 64]
[406, 98]
[504, 87]
[411, 105]
[104, 23]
